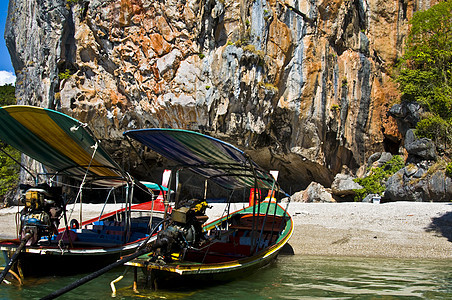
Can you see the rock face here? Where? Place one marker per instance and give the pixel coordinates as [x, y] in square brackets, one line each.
[415, 183]
[406, 114]
[302, 85]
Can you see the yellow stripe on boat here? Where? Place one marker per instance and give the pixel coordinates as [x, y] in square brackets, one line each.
[52, 134]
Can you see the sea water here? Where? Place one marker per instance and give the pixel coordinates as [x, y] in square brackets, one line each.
[290, 277]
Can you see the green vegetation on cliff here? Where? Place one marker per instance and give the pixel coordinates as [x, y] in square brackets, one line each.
[7, 95]
[449, 169]
[425, 71]
[374, 183]
[9, 170]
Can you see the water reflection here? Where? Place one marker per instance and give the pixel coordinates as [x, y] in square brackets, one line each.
[298, 277]
[292, 277]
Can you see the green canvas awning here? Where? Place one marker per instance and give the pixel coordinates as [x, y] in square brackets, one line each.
[60, 142]
[209, 157]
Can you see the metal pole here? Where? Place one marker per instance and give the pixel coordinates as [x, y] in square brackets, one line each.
[265, 218]
[254, 225]
[125, 211]
[81, 194]
[166, 201]
[129, 211]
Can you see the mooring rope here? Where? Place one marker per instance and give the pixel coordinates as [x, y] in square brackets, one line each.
[95, 146]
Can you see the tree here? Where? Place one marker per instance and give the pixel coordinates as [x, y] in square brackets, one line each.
[425, 71]
[9, 170]
[7, 95]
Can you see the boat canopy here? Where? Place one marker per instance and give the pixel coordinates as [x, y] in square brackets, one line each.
[59, 142]
[209, 157]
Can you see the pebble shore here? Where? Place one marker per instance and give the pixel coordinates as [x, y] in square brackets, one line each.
[392, 230]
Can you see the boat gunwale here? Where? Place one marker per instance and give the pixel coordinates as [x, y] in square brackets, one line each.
[12, 244]
[204, 268]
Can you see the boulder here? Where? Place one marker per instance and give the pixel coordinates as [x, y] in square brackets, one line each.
[414, 183]
[407, 115]
[344, 185]
[373, 158]
[411, 169]
[421, 148]
[315, 192]
[384, 158]
[439, 186]
[395, 187]
[297, 197]
[378, 159]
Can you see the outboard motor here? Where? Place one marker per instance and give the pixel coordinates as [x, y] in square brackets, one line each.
[184, 230]
[40, 216]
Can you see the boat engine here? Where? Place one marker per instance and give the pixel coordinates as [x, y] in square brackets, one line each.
[184, 230]
[43, 208]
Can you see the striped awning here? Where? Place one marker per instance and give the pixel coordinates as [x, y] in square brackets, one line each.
[214, 159]
[60, 142]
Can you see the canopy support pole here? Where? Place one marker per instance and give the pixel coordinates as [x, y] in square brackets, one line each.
[148, 170]
[265, 218]
[105, 203]
[125, 210]
[256, 193]
[81, 210]
[178, 188]
[129, 210]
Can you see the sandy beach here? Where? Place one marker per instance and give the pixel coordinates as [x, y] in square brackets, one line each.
[393, 230]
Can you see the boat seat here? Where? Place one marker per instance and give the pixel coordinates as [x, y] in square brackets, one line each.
[202, 219]
[245, 222]
[217, 252]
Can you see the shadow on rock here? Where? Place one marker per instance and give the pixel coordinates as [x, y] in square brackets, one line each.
[442, 225]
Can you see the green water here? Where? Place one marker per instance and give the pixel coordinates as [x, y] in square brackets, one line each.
[291, 277]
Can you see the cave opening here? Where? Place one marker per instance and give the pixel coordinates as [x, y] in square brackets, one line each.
[392, 146]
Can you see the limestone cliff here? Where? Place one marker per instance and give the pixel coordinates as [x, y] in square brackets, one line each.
[303, 86]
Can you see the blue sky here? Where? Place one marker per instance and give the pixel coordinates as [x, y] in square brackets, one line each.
[6, 68]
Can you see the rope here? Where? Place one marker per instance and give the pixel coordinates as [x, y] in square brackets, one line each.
[105, 203]
[84, 177]
[95, 146]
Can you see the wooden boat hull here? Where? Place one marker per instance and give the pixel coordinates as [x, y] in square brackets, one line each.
[53, 261]
[84, 256]
[187, 273]
[191, 275]
[35, 264]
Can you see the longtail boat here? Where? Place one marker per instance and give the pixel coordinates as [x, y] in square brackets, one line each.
[50, 239]
[189, 249]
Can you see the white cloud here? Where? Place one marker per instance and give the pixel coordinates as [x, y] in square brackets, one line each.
[7, 78]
